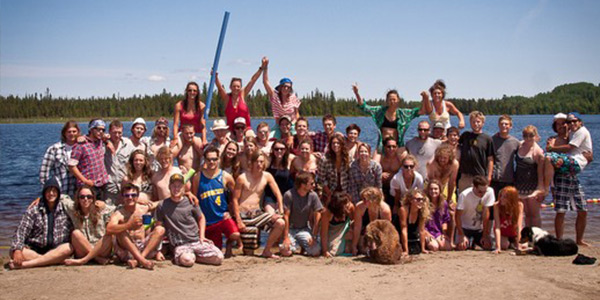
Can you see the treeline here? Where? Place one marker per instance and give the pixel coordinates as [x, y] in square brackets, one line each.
[582, 97]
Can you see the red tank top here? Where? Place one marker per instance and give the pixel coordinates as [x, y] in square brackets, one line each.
[506, 227]
[192, 118]
[234, 112]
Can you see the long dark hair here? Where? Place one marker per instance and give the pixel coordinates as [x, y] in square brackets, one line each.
[94, 211]
[284, 159]
[196, 99]
[343, 151]
[146, 171]
[66, 127]
[338, 205]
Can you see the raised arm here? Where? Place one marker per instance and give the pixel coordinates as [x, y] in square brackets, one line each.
[176, 113]
[268, 87]
[250, 84]
[220, 88]
[359, 99]
[426, 107]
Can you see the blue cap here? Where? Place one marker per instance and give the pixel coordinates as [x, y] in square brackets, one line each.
[573, 116]
[285, 80]
[96, 123]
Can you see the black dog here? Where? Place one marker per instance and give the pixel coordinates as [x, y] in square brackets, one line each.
[546, 244]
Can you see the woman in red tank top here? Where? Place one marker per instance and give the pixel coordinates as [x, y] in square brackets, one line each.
[508, 219]
[235, 106]
[190, 111]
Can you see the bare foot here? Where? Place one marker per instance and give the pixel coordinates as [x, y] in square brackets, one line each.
[228, 251]
[159, 256]
[268, 255]
[583, 243]
[132, 263]
[12, 266]
[74, 262]
[147, 264]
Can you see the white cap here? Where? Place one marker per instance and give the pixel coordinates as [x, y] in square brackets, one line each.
[559, 116]
[239, 120]
[139, 121]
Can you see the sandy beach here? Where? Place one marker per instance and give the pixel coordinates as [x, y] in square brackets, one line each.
[471, 274]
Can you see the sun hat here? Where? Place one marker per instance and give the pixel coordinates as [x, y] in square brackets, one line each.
[239, 120]
[439, 125]
[558, 116]
[219, 124]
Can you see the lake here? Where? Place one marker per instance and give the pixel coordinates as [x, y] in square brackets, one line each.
[22, 147]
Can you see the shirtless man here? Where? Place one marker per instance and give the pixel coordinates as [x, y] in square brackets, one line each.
[134, 244]
[187, 155]
[262, 138]
[160, 179]
[250, 146]
[249, 189]
[390, 162]
[444, 167]
[160, 138]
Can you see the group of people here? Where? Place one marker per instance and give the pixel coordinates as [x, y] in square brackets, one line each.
[108, 197]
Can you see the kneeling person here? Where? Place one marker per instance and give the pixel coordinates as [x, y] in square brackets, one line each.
[185, 225]
[210, 186]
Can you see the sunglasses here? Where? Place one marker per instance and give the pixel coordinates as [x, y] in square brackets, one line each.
[212, 159]
[279, 149]
[528, 135]
[240, 128]
[419, 199]
[85, 197]
[409, 166]
[572, 121]
[423, 129]
[130, 195]
[161, 128]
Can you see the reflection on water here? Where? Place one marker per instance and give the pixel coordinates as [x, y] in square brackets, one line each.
[23, 145]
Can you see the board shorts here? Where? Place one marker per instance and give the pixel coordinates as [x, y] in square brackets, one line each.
[215, 232]
[255, 221]
[564, 163]
[200, 249]
[567, 188]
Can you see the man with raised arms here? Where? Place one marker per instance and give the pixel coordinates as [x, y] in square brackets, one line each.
[211, 186]
[134, 245]
[249, 190]
[185, 225]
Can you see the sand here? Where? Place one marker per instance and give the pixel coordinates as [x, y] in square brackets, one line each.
[468, 275]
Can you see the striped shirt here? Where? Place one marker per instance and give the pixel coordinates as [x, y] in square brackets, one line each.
[54, 164]
[285, 109]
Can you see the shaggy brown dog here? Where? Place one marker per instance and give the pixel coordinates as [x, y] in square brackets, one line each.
[383, 242]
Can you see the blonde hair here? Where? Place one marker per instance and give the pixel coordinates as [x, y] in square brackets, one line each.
[477, 114]
[425, 211]
[532, 129]
[372, 194]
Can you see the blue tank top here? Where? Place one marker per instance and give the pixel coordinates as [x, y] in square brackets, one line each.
[212, 197]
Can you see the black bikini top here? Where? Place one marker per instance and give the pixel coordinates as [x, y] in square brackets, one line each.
[389, 124]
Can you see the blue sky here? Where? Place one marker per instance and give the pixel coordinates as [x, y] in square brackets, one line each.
[480, 48]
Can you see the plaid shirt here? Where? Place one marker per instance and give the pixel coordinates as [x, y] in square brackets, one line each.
[328, 176]
[55, 162]
[320, 141]
[33, 229]
[360, 180]
[88, 157]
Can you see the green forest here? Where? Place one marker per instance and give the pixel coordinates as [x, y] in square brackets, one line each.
[583, 97]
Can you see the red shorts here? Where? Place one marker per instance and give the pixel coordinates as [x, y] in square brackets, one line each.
[214, 232]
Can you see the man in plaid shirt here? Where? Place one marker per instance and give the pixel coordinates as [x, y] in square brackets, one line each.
[87, 159]
[321, 138]
[43, 235]
[54, 163]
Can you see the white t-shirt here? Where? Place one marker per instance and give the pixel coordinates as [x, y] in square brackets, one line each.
[582, 140]
[472, 207]
[398, 183]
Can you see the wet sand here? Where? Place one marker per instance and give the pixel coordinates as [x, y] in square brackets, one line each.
[472, 274]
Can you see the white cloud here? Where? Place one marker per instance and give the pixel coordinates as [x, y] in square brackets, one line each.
[239, 62]
[156, 78]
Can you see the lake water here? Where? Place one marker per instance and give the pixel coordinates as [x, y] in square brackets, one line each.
[22, 147]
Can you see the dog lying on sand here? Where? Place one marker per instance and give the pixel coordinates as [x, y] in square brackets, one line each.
[383, 242]
[546, 244]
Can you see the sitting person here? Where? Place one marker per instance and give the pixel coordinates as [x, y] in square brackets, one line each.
[473, 215]
[211, 186]
[336, 233]
[371, 207]
[508, 219]
[42, 238]
[250, 218]
[300, 203]
[414, 213]
[439, 236]
[89, 217]
[134, 245]
[185, 225]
